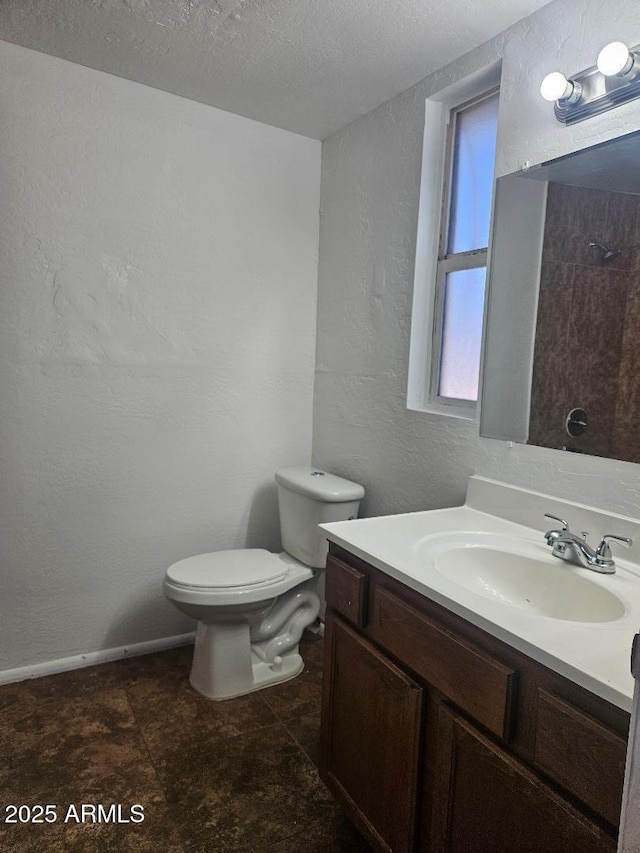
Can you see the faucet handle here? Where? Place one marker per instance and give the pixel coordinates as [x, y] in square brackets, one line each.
[565, 524]
[604, 551]
[552, 536]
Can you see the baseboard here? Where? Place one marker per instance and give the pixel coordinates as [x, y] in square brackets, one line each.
[8, 676]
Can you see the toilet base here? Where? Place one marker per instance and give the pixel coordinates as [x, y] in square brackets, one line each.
[222, 669]
[265, 674]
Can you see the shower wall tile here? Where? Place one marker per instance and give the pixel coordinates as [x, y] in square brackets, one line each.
[575, 217]
[586, 340]
[626, 432]
[592, 355]
[550, 381]
[622, 230]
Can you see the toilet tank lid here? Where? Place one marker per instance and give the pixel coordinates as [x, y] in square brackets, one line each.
[319, 484]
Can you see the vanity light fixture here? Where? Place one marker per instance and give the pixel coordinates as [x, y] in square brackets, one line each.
[614, 80]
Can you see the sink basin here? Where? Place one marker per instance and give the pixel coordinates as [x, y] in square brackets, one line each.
[485, 563]
[519, 574]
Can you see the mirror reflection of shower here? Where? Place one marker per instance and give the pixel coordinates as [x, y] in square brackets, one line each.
[608, 253]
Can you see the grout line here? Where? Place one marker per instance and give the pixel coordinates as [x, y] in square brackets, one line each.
[295, 739]
[170, 810]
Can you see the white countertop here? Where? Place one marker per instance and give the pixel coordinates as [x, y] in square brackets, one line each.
[595, 655]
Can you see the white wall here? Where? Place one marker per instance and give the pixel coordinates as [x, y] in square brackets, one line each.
[371, 177]
[158, 271]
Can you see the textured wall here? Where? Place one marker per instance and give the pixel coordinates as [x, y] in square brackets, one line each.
[371, 177]
[157, 335]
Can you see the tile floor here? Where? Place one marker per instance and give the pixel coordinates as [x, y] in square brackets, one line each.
[222, 777]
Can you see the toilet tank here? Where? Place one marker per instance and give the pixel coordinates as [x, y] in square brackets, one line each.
[308, 497]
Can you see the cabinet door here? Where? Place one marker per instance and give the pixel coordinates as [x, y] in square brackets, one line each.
[485, 801]
[372, 714]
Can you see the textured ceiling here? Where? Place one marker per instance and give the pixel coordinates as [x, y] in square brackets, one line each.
[310, 66]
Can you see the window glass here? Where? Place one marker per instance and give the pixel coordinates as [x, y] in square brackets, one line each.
[474, 153]
[462, 334]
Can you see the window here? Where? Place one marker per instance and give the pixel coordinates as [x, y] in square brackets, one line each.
[462, 258]
[456, 310]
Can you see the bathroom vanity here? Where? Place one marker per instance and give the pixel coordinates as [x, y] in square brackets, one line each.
[463, 718]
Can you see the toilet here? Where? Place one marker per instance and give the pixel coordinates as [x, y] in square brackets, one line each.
[252, 605]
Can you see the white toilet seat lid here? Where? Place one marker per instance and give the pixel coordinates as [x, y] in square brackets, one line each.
[221, 569]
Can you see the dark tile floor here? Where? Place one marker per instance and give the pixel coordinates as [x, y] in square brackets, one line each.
[223, 777]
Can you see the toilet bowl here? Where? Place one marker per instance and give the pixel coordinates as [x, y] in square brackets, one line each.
[251, 613]
[251, 605]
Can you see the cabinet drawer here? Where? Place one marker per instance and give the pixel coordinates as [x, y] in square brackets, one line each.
[581, 754]
[471, 679]
[346, 590]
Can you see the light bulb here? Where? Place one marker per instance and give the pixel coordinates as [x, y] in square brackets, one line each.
[614, 58]
[555, 86]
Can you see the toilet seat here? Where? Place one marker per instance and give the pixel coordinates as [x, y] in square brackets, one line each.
[232, 577]
[223, 569]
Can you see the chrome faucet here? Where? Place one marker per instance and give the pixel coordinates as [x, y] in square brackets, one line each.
[574, 548]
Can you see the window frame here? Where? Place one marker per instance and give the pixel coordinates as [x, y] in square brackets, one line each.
[474, 259]
[453, 262]
[431, 262]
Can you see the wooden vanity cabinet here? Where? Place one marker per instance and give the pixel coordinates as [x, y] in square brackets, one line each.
[484, 799]
[438, 738]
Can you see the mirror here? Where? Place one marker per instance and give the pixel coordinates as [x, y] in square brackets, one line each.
[562, 337]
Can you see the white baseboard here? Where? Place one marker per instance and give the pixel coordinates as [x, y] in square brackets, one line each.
[21, 673]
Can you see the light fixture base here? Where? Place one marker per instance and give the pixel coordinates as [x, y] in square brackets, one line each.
[599, 93]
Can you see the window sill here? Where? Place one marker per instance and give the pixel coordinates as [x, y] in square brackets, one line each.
[462, 413]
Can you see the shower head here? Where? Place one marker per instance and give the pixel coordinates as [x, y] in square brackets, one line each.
[607, 253]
